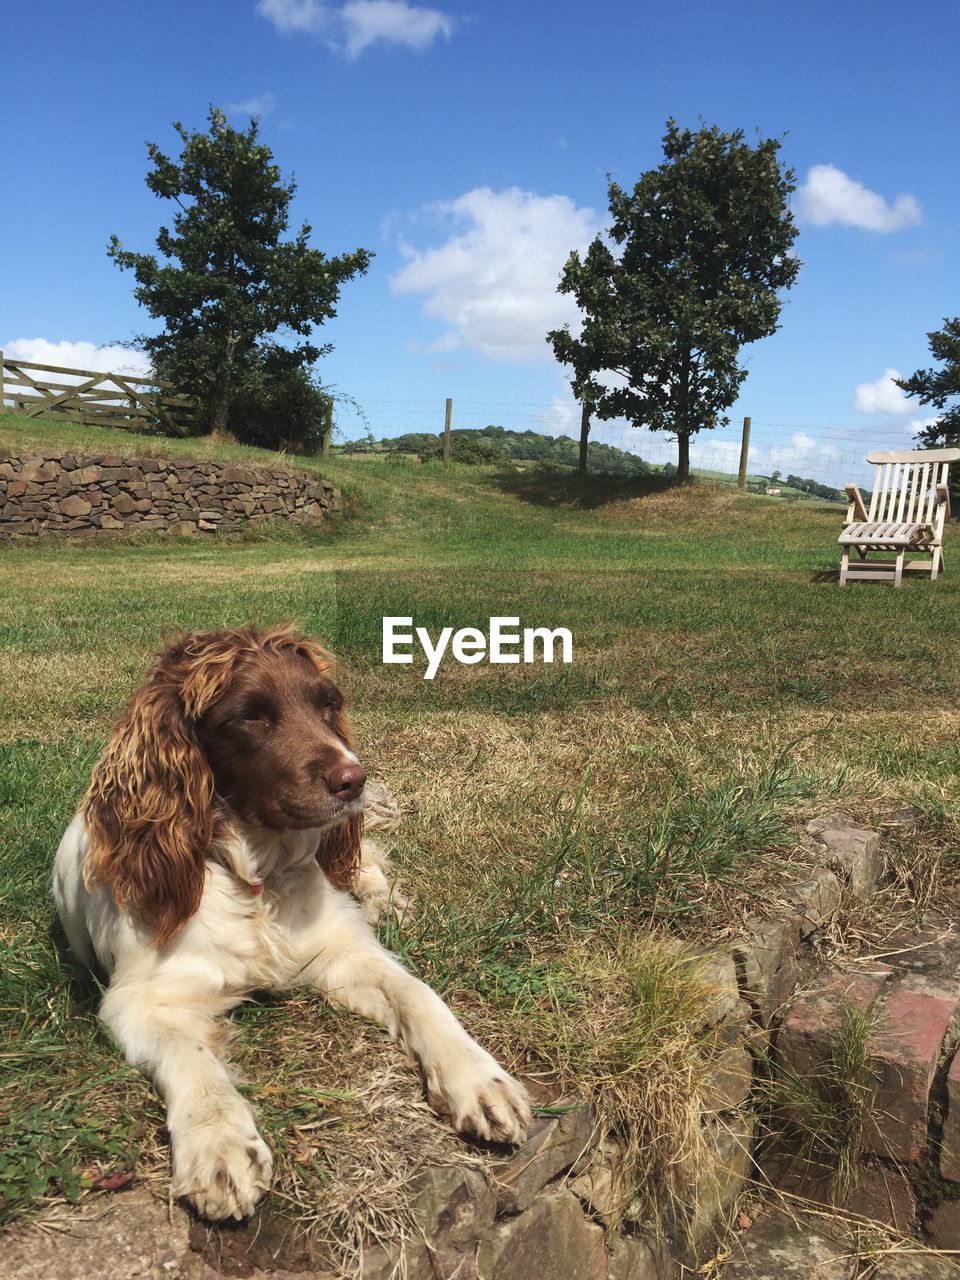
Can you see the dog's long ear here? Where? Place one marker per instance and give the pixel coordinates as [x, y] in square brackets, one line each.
[339, 852]
[148, 810]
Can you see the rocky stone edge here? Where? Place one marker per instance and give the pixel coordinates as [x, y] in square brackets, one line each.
[547, 1208]
[56, 491]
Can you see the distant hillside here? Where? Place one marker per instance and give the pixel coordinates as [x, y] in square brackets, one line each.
[497, 444]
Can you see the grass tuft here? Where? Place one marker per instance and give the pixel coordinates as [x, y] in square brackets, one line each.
[828, 1111]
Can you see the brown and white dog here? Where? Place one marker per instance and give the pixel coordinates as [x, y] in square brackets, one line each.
[212, 856]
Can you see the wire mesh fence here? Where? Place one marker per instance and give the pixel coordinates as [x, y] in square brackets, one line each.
[829, 454]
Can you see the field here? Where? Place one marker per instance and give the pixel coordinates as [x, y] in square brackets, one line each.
[723, 688]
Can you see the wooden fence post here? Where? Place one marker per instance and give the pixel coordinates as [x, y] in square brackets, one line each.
[448, 416]
[327, 428]
[584, 433]
[744, 454]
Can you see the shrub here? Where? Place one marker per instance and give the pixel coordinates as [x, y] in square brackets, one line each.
[281, 409]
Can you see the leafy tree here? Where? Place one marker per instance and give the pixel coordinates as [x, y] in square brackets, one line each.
[496, 444]
[937, 386]
[469, 447]
[228, 286]
[815, 488]
[703, 250]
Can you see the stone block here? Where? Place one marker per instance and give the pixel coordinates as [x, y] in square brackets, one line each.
[38, 471]
[884, 1194]
[943, 1226]
[730, 1139]
[75, 506]
[809, 1029]
[551, 1239]
[782, 1246]
[903, 1054]
[90, 474]
[597, 1181]
[124, 503]
[902, 1264]
[110, 521]
[815, 900]
[950, 1146]
[729, 1080]
[718, 970]
[767, 965]
[452, 1205]
[633, 1258]
[853, 851]
[15, 488]
[553, 1144]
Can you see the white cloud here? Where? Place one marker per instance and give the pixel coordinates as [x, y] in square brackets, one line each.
[914, 427]
[261, 104]
[79, 355]
[308, 16]
[882, 396]
[800, 449]
[494, 283]
[829, 195]
[355, 26]
[367, 22]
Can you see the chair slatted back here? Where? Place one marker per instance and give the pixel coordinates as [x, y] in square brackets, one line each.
[905, 489]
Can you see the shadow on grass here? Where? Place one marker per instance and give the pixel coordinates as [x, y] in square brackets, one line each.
[570, 489]
[86, 987]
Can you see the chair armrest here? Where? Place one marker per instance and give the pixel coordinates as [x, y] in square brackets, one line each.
[856, 510]
[943, 498]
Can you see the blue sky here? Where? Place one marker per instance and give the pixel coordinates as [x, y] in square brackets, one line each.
[467, 145]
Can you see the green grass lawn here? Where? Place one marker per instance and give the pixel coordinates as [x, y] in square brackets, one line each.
[723, 687]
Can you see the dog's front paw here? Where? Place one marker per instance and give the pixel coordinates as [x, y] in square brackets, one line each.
[222, 1170]
[480, 1097]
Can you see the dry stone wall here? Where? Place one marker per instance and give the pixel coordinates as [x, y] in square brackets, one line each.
[55, 491]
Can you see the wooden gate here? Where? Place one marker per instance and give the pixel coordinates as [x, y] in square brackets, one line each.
[91, 397]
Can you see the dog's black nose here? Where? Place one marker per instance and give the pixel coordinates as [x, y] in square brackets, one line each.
[346, 781]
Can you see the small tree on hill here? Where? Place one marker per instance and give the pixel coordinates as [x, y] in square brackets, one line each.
[937, 386]
[228, 287]
[703, 249]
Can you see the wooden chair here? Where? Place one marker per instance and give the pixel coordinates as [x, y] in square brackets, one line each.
[908, 507]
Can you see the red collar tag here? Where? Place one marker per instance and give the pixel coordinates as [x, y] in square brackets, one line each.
[256, 888]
